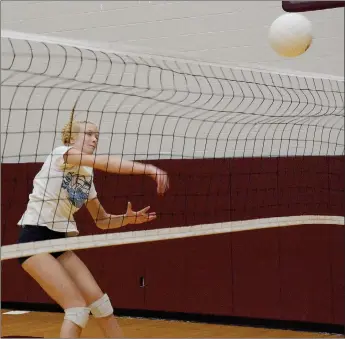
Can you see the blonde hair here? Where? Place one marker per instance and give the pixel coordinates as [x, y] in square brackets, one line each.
[71, 129]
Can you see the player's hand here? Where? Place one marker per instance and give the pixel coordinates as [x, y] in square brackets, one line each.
[139, 217]
[161, 177]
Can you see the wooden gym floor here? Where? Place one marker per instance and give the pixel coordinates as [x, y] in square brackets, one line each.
[47, 325]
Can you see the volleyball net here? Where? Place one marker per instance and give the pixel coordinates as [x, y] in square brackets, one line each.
[245, 149]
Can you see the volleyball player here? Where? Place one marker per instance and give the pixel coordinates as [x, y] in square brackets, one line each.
[62, 186]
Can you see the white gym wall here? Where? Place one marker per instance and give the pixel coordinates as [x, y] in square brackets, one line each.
[232, 32]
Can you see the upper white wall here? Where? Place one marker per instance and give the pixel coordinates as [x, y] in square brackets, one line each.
[232, 32]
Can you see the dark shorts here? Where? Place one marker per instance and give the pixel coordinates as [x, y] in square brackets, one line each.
[29, 233]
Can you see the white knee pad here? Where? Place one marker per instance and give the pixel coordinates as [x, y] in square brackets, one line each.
[78, 315]
[102, 307]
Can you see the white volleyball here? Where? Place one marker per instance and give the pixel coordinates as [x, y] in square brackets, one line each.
[290, 35]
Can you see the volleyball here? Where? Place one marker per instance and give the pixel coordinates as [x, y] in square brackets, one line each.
[290, 35]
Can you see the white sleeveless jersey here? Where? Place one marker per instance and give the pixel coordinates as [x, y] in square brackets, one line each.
[59, 190]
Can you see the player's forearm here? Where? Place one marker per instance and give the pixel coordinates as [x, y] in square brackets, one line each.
[112, 221]
[118, 165]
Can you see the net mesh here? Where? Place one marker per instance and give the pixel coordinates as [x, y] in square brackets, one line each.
[173, 112]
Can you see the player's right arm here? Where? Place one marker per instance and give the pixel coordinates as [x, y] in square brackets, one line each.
[114, 164]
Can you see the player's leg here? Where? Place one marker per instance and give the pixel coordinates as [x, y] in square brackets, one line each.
[98, 302]
[55, 280]
[58, 284]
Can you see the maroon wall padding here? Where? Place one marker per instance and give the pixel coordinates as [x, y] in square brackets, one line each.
[336, 183]
[208, 276]
[292, 273]
[337, 255]
[164, 274]
[255, 274]
[118, 270]
[253, 189]
[304, 187]
[305, 273]
[190, 275]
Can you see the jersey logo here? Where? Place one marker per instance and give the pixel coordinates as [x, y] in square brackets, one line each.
[77, 187]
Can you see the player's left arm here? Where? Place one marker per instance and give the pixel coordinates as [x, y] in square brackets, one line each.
[104, 221]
